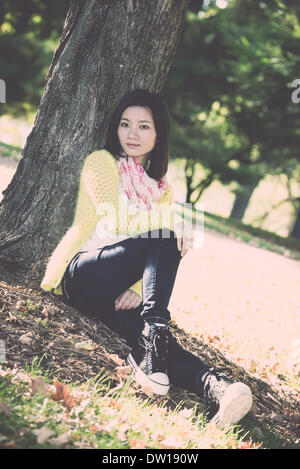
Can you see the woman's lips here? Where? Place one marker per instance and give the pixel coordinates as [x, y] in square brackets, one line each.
[132, 145]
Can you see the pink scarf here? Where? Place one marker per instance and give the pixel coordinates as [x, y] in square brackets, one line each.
[140, 188]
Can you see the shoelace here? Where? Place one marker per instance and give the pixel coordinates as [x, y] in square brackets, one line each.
[160, 343]
[159, 338]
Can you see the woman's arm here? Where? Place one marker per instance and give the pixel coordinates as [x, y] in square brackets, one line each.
[98, 185]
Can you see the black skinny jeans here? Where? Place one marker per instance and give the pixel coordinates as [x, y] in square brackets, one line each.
[94, 279]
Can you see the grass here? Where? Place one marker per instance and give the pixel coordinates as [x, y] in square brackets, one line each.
[100, 417]
[256, 236]
[249, 234]
[10, 151]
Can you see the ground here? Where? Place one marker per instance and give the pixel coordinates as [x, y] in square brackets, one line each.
[37, 326]
[233, 304]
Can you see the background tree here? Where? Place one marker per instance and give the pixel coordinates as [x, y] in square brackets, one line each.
[230, 95]
[29, 34]
[106, 49]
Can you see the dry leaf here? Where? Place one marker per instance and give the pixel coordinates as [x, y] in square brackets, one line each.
[158, 436]
[11, 444]
[40, 386]
[147, 390]
[171, 442]
[61, 440]
[115, 358]
[137, 444]
[84, 346]
[114, 403]
[62, 394]
[122, 433]
[124, 371]
[96, 428]
[245, 444]
[186, 413]
[26, 339]
[43, 434]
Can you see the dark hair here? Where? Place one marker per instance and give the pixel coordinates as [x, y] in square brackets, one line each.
[159, 156]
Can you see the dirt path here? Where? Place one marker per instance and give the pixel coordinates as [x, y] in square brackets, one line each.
[245, 297]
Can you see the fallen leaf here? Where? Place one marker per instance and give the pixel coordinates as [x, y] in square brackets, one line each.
[38, 385]
[158, 436]
[122, 433]
[124, 371]
[20, 305]
[245, 444]
[95, 428]
[83, 404]
[186, 413]
[62, 394]
[26, 339]
[114, 403]
[43, 434]
[11, 444]
[115, 358]
[61, 440]
[171, 442]
[147, 390]
[137, 444]
[294, 417]
[84, 346]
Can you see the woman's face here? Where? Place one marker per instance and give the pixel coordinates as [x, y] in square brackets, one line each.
[137, 133]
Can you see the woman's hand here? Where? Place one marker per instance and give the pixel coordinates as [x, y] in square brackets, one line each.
[185, 242]
[127, 300]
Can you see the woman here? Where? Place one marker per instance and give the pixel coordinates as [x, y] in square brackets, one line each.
[118, 261]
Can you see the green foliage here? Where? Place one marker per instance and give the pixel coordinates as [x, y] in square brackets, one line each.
[229, 90]
[28, 38]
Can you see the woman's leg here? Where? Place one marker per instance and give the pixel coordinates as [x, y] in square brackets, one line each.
[228, 401]
[97, 277]
[184, 369]
[94, 280]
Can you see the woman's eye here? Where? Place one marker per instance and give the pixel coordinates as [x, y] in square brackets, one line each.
[125, 124]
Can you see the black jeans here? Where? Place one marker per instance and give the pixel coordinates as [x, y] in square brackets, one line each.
[94, 279]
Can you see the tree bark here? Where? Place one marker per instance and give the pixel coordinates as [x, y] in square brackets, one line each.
[295, 232]
[106, 49]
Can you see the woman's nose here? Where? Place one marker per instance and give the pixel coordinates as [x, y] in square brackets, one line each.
[132, 132]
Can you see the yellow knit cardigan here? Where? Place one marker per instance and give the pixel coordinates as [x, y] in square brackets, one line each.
[99, 185]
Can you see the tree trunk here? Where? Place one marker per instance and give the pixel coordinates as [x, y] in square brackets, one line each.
[296, 228]
[242, 200]
[106, 49]
[188, 171]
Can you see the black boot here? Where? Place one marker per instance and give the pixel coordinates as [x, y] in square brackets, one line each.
[232, 401]
[149, 358]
